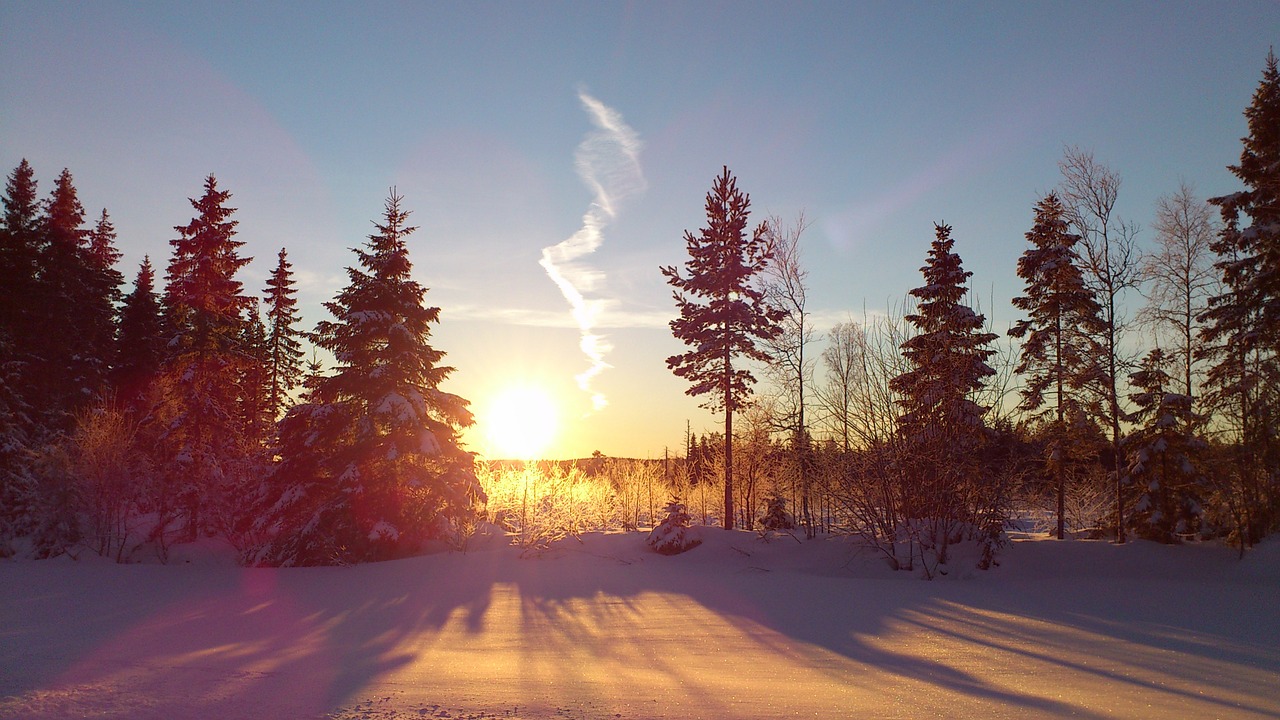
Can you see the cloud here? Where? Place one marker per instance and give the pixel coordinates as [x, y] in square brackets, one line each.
[608, 162]
[610, 317]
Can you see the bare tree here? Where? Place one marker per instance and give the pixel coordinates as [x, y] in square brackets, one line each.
[1111, 265]
[843, 361]
[1180, 276]
[791, 367]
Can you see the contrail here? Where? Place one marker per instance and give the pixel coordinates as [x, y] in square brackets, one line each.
[608, 161]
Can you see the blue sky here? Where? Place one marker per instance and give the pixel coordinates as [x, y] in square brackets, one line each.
[875, 119]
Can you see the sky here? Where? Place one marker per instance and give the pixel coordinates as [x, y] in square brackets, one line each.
[553, 154]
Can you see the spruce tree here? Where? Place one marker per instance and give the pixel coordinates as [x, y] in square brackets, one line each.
[1242, 332]
[140, 346]
[371, 464]
[1058, 355]
[20, 241]
[20, 314]
[284, 347]
[1164, 455]
[77, 314]
[941, 426]
[205, 447]
[723, 311]
[103, 294]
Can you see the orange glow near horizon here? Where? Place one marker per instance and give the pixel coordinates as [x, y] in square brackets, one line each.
[519, 422]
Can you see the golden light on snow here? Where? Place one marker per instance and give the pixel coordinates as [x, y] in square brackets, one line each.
[520, 422]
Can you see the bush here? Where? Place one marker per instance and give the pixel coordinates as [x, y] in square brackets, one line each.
[673, 535]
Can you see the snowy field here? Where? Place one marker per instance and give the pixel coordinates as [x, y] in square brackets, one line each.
[602, 628]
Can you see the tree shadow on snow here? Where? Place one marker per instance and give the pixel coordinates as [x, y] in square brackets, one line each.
[603, 626]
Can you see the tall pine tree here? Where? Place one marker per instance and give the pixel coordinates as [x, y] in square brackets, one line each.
[206, 449]
[1242, 330]
[723, 311]
[1058, 355]
[941, 425]
[20, 317]
[371, 465]
[284, 346]
[76, 290]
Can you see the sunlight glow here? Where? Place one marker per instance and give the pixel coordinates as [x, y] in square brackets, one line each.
[520, 422]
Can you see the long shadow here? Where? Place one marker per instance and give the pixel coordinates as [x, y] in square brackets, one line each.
[306, 642]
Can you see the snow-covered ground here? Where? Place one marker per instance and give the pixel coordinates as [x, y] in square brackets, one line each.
[605, 628]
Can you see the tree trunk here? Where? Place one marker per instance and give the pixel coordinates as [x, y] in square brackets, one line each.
[728, 467]
[728, 439]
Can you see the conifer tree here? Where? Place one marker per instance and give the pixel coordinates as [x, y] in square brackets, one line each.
[723, 311]
[371, 464]
[205, 444]
[1242, 332]
[20, 241]
[140, 347]
[103, 294]
[1058, 355]
[284, 347]
[255, 382]
[20, 315]
[941, 425]
[77, 314]
[1164, 455]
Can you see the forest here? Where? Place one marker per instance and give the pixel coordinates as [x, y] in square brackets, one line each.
[1136, 398]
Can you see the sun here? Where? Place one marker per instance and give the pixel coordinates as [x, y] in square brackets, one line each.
[520, 422]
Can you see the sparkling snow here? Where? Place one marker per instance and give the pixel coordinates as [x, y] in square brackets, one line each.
[606, 628]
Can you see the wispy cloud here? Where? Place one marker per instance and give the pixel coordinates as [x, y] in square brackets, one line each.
[608, 162]
[610, 316]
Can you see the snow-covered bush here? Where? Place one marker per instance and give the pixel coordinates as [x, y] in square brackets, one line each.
[775, 515]
[673, 535]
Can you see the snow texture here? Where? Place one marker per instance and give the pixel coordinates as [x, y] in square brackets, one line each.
[603, 627]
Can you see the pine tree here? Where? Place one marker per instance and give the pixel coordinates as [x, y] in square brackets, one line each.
[723, 311]
[941, 425]
[103, 295]
[140, 347]
[255, 382]
[1242, 333]
[20, 241]
[1164, 455]
[205, 447]
[284, 347]
[20, 314]
[371, 465]
[673, 535]
[77, 314]
[1058, 353]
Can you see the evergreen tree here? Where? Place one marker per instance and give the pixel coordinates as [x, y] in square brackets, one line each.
[1163, 455]
[103, 295]
[723, 311]
[284, 347]
[255, 381]
[941, 425]
[673, 535]
[371, 465]
[1058, 353]
[205, 447]
[140, 347]
[77, 314]
[20, 241]
[20, 315]
[1242, 332]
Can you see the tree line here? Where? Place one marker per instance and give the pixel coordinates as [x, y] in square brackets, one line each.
[136, 421]
[129, 422]
[1160, 423]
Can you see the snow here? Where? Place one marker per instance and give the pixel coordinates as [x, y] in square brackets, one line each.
[603, 627]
